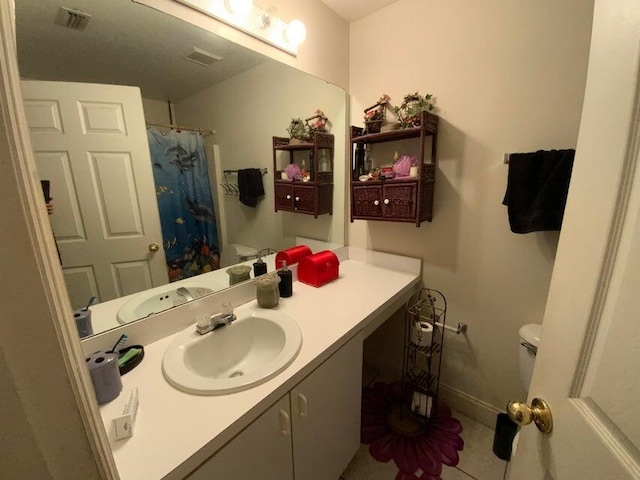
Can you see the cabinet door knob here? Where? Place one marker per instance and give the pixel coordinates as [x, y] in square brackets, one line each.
[284, 422]
[376, 203]
[386, 201]
[302, 405]
[297, 199]
[288, 197]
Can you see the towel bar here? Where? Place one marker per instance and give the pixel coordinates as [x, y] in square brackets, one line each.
[264, 171]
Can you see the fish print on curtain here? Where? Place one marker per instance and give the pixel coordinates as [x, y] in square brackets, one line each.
[181, 176]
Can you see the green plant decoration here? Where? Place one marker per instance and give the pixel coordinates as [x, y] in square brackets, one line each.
[298, 129]
[413, 105]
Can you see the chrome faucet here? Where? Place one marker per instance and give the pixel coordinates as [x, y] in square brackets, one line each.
[183, 292]
[214, 322]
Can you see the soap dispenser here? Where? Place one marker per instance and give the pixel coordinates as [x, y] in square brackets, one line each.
[259, 267]
[286, 281]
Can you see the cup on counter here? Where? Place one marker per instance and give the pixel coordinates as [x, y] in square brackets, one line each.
[105, 375]
[238, 273]
[83, 322]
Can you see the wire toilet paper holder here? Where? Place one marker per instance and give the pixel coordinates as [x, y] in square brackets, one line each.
[425, 324]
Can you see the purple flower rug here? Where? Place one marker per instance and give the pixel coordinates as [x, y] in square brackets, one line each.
[394, 433]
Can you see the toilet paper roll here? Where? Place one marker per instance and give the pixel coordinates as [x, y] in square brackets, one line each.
[105, 375]
[83, 322]
[421, 334]
[421, 404]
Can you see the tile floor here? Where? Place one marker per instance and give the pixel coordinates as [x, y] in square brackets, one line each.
[477, 460]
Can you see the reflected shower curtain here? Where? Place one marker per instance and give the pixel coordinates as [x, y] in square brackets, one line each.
[181, 176]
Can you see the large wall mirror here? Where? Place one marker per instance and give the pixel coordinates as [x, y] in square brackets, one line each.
[144, 213]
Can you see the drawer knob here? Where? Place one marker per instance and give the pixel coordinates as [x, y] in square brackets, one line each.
[376, 203]
[288, 197]
[386, 201]
[297, 199]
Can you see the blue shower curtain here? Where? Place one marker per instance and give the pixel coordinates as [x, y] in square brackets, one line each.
[183, 191]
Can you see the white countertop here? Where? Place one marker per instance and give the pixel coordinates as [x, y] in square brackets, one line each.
[176, 431]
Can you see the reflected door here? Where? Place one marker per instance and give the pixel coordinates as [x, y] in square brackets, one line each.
[90, 141]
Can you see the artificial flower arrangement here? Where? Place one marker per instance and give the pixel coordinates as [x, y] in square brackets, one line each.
[318, 122]
[375, 115]
[409, 113]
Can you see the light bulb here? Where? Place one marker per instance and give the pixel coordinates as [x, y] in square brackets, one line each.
[239, 7]
[296, 32]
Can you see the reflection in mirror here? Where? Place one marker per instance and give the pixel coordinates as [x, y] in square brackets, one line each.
[148, 217]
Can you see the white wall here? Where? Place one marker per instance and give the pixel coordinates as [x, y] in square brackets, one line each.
[325, 52]
[246, 111]
[156, 111]
[508, 77]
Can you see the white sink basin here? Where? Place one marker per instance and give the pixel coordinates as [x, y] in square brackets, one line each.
[159, 299]
[253, 349]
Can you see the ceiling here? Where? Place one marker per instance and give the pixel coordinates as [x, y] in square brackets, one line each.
[352, 10]
[128, 43]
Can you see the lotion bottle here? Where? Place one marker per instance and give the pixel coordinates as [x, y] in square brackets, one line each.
[286, 281]
[259, 267]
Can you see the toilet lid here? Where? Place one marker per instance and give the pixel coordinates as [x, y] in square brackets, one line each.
[531, 333]
[244, 250]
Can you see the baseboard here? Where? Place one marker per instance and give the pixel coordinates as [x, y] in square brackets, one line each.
[469, 405]
[455, 399]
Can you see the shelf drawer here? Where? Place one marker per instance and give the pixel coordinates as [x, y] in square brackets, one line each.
[284, 197]
[367, 201]
[399, 201]
[304, 198]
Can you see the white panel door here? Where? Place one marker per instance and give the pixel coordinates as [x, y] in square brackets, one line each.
[325, 411]
[587, 364]
[90, 141]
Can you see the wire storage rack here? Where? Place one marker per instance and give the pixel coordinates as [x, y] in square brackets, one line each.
[425, 323]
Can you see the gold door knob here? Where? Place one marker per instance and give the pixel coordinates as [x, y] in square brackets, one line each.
[154, 247]
[539, 412]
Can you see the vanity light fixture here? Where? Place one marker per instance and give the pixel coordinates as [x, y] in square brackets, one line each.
[268, 17]
[260, 23]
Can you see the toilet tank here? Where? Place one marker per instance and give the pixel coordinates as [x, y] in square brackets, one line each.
[529, 334]
[234, 253]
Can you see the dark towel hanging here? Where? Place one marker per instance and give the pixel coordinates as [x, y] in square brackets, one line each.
[250, 186]
[537, 189]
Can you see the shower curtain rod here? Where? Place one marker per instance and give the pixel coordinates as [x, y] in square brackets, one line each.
[178, 127]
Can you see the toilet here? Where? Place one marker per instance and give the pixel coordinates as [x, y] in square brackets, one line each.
[529, 341]
[234, 253]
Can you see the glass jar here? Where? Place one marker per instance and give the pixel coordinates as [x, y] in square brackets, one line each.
[267, 293]
[238, 273]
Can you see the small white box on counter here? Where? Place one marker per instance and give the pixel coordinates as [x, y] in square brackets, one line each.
[124, 424]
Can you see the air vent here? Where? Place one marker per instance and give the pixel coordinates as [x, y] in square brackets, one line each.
[72, 19]
[202, 57]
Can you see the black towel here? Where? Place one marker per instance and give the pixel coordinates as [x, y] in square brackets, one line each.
[250, 186]
[537, 189]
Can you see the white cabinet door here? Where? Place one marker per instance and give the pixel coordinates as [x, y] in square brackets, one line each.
[262, 450]
[325, 409]
[90, 141]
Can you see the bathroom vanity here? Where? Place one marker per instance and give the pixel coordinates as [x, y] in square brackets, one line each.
[304, 423]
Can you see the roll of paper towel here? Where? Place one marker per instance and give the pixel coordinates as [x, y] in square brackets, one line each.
[421, 334]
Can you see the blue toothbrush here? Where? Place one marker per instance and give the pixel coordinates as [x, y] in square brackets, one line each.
[121, 341]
